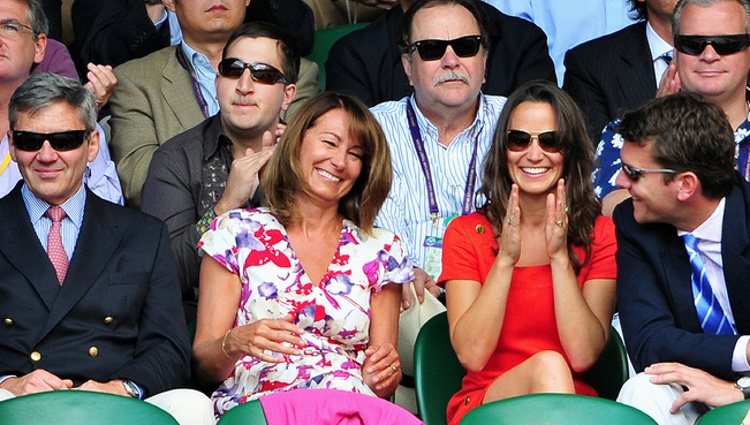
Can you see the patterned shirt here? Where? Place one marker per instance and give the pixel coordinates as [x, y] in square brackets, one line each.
[335, 314]
[406, 211]
[608, 163]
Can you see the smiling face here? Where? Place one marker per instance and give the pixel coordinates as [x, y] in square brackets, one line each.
[51, 175]
[450, 81]
[330, 161]
[18, 51]
[533, 169]
[248, 108]
[716, 77]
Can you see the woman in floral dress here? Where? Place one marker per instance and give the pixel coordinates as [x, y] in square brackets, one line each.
[300, 294]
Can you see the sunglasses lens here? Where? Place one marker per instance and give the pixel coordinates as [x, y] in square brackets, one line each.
[632, 174]
[548, 142]
[729, 46]
[466, 46]
[722, 44]
[518, 140]
[62, 141]
[266, 74]
[231, 68]
[430, 50]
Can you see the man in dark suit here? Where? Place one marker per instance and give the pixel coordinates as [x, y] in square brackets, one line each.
[683, 260]
[620, 71]
[367, 63]
[89, 296]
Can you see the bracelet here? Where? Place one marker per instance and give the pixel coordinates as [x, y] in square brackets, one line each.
[224, 344]
[205, 222]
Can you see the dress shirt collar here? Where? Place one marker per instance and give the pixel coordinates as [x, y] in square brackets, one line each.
[483, 114]
[73, 207]
[213, 137]
[710, 230]
[657, 44]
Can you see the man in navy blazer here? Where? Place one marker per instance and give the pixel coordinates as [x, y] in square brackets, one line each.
[678, 166]
[88, 299]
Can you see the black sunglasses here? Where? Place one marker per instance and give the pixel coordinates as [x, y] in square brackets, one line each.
[430, 50]
[519, 141]
[723, 44]
[260, 72]
[635, 173]
[61, 141]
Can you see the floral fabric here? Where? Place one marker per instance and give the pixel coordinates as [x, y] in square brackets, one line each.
[335, 314]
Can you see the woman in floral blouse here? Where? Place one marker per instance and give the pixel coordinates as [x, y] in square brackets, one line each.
[298, 294]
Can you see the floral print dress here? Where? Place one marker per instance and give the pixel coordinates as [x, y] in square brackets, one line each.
[335, 314]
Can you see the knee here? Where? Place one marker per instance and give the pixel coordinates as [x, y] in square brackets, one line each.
[551, 372]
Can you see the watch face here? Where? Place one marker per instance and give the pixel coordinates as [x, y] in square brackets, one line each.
[744, 382]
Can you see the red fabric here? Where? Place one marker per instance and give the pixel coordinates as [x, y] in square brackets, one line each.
[529, 326]
[55, 248]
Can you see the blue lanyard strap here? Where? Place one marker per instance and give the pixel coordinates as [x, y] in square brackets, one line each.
[196, 87]
[424, 162]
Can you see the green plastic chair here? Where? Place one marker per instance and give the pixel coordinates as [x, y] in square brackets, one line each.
[556, 409]
[81, 407]
[438, 373]
[250, 413]
[731, 414]
[324, 39]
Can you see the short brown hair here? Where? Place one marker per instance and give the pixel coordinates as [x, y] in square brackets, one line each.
[281, 181]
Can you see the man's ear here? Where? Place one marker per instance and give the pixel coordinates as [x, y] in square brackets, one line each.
[290, 91]
[406, 62]
[40, 47]
[93, 146]
[688, 185]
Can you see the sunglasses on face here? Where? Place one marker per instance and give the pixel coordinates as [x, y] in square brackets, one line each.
[430, 50]
[61, 141]
[260, 72]
[635, 173]
[722, 44]
[519, 141]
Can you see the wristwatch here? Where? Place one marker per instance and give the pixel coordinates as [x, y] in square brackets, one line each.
[744, 385]
[131, 388]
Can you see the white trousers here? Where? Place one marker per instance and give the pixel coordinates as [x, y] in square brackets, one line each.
[656, 400]
[188, 407]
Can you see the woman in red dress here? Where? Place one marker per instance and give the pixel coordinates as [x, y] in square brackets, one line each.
[530, 277]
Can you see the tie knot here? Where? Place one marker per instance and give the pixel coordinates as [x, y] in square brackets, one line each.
[667, 57]
[56, 214]
[691, 241]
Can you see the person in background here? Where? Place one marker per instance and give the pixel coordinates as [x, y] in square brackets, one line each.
[530, 277]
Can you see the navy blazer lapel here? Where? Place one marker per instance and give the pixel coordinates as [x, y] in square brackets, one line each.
[636, 76]
[678, 273]
[20, 245]
[97, 240]
[735, 254]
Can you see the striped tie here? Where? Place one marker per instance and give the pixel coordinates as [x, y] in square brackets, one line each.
[710, 314]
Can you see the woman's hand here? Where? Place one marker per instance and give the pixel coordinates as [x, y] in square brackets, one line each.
[265, 340]
[510, 238]
[382, 369]
[556, 226]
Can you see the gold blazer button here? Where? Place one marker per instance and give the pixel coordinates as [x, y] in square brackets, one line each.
[8, 321]
[36, 356]
[93, 351]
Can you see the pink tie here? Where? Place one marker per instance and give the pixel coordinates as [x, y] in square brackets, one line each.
[55, 248]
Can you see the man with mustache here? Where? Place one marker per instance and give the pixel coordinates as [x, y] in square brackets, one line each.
[438, 136]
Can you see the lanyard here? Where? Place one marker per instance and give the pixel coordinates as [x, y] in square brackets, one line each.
[424, 162]
[183, 60]
[5, 163]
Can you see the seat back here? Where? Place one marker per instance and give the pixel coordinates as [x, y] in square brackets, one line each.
[732, 413]
[324, 39]
[80, 407]
[249, 413]
[556, 409]
[437, 371]
[611, 369]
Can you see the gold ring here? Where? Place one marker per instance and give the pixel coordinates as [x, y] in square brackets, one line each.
[559, 223]
[394, 368]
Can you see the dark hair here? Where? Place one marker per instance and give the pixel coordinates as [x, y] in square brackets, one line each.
[686, 133]
[471, 5]
[42, 90]
[282, 181]
[286, 44]
[578, 154]
[37, 18]
[638, 10]
[678, 9]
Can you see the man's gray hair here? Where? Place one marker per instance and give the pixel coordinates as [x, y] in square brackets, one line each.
[677, 15]
[37, 18]
[41, 90]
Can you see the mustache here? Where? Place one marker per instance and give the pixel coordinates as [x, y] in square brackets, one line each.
[452, 76]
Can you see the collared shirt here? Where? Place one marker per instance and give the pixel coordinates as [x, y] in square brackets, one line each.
[708, 235]
[71, 224]
[658, 48]
[406, 211]
[608, 163]
[175, 31]
[100, 177]
[205, 75]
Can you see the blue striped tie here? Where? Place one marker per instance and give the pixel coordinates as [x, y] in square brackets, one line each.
[710, 314]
